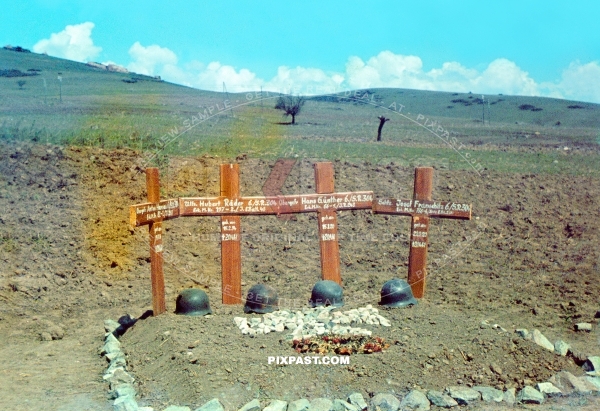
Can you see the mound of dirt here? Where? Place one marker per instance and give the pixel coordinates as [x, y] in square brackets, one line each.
[528, 259]
[190, 360]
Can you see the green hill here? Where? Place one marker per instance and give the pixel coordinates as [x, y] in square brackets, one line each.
[91, 106]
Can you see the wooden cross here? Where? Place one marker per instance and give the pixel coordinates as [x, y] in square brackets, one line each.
[420, 208]
[153, 213]
[230, 206]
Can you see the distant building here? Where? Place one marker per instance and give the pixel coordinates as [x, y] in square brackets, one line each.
[116, 68]
[109, 67]
[96, 65]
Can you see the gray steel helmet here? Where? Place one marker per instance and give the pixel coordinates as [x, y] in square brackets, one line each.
[396, 293]
[192, 301]
[327, 292]
[261, 299]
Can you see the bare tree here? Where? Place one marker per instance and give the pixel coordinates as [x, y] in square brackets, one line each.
[382, 121]
[290, 105]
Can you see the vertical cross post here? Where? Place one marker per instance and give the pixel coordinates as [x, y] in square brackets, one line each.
[421, 208]
[417, 259]
[327, 219]
[156, 246]
[231, 254]
[152, 214]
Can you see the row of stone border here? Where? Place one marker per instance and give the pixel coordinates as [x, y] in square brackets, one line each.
[123, 392]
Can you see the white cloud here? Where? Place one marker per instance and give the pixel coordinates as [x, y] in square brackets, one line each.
[215, 74]
[73, 43]
[578, 82]
[301, 80]
[385, 70]
[504, 76]
[394, 70]
[147, 59]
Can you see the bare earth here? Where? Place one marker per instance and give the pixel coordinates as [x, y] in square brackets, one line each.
[528, 259]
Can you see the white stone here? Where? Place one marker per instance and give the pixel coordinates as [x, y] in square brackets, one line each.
[561, 348]
[510, 396]
[299, 405]
[548, 388]
[110, 337]
[530, 395]
[583, 327]
[253, 405]
[212, 405]
[489, 394]
[111, 325]
[594, 380]
[541, 340]
[239, 320]
[357, 399]
[323, 316]
[415, 400]
[321, 404]
[463, 395]
[339, 405]
[385, 402]
[111, 347]
[276, 405]
[279, 327]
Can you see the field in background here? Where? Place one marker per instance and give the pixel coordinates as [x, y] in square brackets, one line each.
[92, 107]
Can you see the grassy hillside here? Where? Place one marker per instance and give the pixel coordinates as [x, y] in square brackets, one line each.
[96, 107]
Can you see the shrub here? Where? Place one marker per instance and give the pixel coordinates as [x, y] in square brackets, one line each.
[529, 107]
[16, 73]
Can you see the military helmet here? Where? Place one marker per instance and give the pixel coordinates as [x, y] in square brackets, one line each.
[396, 293]
[192, 301]
[261, 299]
[327, 292]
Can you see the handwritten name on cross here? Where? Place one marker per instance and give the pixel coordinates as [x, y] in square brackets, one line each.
[421, 208]
[230, 206]
[153, 213]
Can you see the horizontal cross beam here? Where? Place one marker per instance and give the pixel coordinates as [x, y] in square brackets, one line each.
[284, 204]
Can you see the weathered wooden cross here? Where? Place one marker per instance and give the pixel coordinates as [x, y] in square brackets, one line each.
[153, 213]
[230, 206]
[420, 208]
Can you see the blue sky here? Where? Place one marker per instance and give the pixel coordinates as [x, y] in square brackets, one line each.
[533, 47]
